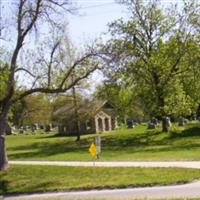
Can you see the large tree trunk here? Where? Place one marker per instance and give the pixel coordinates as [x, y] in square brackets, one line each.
[165, 119]
[3, 155]
[76, 114]
[165, 125]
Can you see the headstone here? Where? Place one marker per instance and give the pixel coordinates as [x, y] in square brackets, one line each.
[21, 130]
[36, 126]
[168, 122]
[181, 121]
[151, 125]
[154, 121]
[33, 128]
[47, 128]
[129, 123]
[41, 127]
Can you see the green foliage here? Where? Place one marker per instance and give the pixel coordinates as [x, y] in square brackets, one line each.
[123, 99]
[32, 109]
[4, 73]
[17, 113]
[157, 58]
[60, 100]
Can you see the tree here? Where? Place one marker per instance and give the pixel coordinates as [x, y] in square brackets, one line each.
[17, 111]
[190, 80]
[4, 72]
[149, 50]
[38, 110]
[47, 75]
[123, 98]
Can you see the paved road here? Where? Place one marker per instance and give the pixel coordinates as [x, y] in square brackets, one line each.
[183, 164]
[191, 190]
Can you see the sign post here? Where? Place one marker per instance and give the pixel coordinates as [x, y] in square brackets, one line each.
[98, 145]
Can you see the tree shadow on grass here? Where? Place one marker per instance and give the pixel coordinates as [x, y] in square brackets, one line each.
[189, 132]
[149, 142]
[134, 141]
[38, 187]
[3, 186]
[43, 150]
[34, 188]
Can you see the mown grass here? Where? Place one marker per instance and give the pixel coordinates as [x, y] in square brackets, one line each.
[138, 143]
[26, 179]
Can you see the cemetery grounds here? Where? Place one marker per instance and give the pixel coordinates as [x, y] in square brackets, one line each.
[137, 144]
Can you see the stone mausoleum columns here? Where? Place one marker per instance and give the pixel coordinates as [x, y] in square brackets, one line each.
[103, 122]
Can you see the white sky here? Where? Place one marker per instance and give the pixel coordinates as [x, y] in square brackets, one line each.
[93, 17]
[91, 22]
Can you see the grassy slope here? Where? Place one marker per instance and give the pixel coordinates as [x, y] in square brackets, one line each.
[24, 179]
[133, 144]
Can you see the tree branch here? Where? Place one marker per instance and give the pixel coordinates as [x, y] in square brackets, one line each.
[27, 71]
[59, 89]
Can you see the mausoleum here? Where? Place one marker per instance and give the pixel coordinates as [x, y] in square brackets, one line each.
[93, 117]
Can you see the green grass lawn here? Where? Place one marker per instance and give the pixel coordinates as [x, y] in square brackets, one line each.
[138, 143]
[25, 179]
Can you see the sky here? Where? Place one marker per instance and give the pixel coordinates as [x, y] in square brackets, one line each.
[92, 19]
[91, 22]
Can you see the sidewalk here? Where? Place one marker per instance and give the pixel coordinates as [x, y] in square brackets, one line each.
[183, 164]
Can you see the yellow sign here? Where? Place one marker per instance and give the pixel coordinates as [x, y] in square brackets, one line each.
[93, 150]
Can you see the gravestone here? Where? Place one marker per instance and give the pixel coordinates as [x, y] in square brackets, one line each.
[151, 125]
[47, 128]
[41, 127]
[21, 130]
[33, 128]
[168, 121]
[181, 121]
[154, 121]
[24, 128]
[129, 123]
